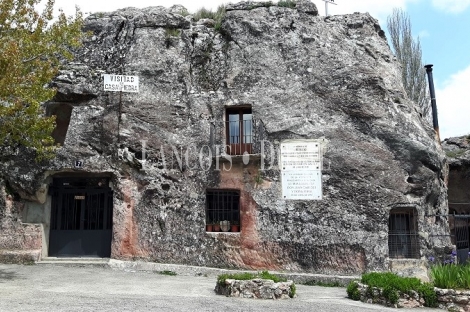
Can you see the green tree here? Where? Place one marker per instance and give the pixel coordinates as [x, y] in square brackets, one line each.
[32, 46]
[409, 54]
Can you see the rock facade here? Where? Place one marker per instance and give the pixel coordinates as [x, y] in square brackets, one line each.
[303, 76]
[256, 288]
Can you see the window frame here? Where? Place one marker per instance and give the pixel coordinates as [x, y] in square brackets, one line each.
[238, 148]
[403, 237]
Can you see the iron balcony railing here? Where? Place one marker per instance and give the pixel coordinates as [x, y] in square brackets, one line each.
[237, 137]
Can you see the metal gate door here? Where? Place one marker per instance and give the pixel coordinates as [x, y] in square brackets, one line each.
[462, 242]
[81, 218]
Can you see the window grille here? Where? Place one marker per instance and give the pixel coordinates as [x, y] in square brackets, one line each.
[403, 239]
[223, 209]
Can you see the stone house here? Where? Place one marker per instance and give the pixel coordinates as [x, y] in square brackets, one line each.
[143, 175]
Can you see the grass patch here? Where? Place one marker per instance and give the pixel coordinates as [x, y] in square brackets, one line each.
[455, 276]
[172, 32]
[454, 154]
[322, 284]
[287, 4]
[166, 272]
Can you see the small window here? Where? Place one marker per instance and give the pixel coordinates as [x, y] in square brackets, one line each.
[223, 211]
[62, 113]
[403, 239]
[239, 130]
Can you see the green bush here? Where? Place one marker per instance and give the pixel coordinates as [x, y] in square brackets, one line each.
[287, 4]
[426, 291]
[293, 290]
[275, 278]
[238, 276]
[381, 280]
[353, 291]
[392, 284]
[217, 16]
[391, 294]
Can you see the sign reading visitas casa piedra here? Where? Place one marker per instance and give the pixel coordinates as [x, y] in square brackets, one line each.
[300, 164]
[121, 83]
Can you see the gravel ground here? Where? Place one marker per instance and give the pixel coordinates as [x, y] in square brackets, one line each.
[65, 288]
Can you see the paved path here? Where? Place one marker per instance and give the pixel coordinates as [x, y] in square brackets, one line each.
[64, 288]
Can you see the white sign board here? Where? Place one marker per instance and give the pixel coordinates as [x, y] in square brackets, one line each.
[300, 164]
[301, 184]
[121, 83]
[301, 155]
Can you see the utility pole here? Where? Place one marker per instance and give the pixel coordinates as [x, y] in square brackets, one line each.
[326, 5]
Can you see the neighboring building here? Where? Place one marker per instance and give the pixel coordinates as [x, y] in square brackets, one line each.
[265, 75]
[457, 151]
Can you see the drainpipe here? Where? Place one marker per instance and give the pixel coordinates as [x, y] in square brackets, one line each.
[435, 123]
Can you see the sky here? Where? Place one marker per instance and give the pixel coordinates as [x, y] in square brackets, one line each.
[442, 27]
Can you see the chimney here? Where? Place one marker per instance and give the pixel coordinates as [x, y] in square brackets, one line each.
[435, 122]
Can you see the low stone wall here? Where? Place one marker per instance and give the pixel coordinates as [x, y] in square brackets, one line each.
[453, 300]
[449, 299]
[374, 295]
[256, 288]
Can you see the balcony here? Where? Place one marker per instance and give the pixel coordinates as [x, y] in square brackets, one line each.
[237, 136]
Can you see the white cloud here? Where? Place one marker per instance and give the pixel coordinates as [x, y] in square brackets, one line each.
[451, 6]
[453, 105]
[423, 34]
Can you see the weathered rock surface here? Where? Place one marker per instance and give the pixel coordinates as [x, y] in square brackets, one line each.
[457, 150]
[256, 289]
[305, 76]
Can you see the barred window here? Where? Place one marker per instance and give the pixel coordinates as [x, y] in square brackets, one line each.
[403, 240]
[223, 210]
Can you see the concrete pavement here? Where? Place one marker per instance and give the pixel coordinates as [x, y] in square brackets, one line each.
[55, 287]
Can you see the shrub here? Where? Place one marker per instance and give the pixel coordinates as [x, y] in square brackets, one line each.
[287, 4]
[353, 291]
[275, 278]
[391, 294]
[293, 290]
[426, 291]
[217, 16]
[238, 276]
[392, 284]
